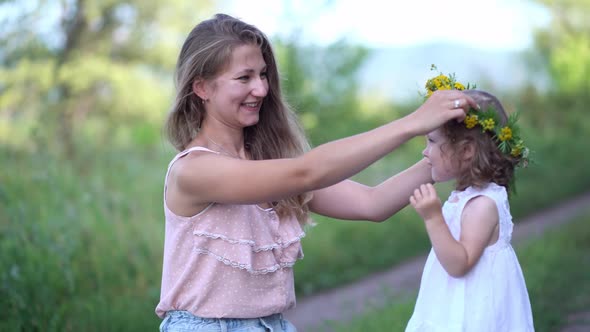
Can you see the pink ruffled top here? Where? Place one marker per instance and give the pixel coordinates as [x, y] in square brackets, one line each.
[229, 261]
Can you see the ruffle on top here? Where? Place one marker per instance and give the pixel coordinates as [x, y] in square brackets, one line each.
[248, 237]
[457, 200]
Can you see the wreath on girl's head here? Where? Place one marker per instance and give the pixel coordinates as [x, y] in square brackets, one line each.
[507, 136]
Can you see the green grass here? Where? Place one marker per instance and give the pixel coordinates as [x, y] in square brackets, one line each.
[80, 243]
[81, 239]
[556, 267]
[337, 252]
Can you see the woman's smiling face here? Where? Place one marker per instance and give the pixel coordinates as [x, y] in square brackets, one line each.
[235, 96]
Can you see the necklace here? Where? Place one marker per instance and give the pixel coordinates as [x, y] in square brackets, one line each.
[222, 150]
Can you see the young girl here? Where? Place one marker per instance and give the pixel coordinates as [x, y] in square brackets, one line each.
[244, 182]
[472, 280]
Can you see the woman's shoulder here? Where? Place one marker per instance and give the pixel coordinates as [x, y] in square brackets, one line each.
[184, 167]
[191, 152]
[185, 158]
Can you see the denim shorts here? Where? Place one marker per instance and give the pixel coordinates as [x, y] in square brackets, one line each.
[184, 321]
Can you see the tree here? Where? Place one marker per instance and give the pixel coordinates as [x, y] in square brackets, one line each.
[102, 70]
[564, 48]
[321, 83]
[68, 64]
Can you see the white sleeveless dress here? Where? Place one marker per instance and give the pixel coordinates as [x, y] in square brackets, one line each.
[491, 297]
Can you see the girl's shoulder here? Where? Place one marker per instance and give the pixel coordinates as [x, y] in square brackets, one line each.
[490, 189]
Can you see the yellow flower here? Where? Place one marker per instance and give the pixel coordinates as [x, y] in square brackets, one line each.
[488, 124]
[505, 134]
[441, 82]
[442, 78]
[470, 121]
[516, 151]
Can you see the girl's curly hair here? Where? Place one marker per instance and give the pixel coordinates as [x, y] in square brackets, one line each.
[488, 163]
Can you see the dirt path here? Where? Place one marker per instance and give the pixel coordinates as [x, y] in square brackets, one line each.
[345, 302]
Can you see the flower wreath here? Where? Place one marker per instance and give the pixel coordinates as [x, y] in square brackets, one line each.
[507, 136]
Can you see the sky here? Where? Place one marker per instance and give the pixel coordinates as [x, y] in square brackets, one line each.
[490, 27]
[483, 24]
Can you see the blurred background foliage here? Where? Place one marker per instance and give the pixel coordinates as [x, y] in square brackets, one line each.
[84, 89]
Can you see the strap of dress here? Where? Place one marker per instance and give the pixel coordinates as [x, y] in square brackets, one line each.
[180, 155]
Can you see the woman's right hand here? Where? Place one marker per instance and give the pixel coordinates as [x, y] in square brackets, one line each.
[440, 107]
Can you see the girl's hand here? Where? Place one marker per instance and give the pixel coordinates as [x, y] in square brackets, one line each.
[426, 202]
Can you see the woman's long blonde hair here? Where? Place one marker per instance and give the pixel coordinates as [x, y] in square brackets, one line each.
[205, 54]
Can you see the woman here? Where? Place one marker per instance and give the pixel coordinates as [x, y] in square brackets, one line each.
[244, 182]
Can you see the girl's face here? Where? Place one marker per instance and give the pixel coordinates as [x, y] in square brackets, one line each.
[235, 96]
[439, 160]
